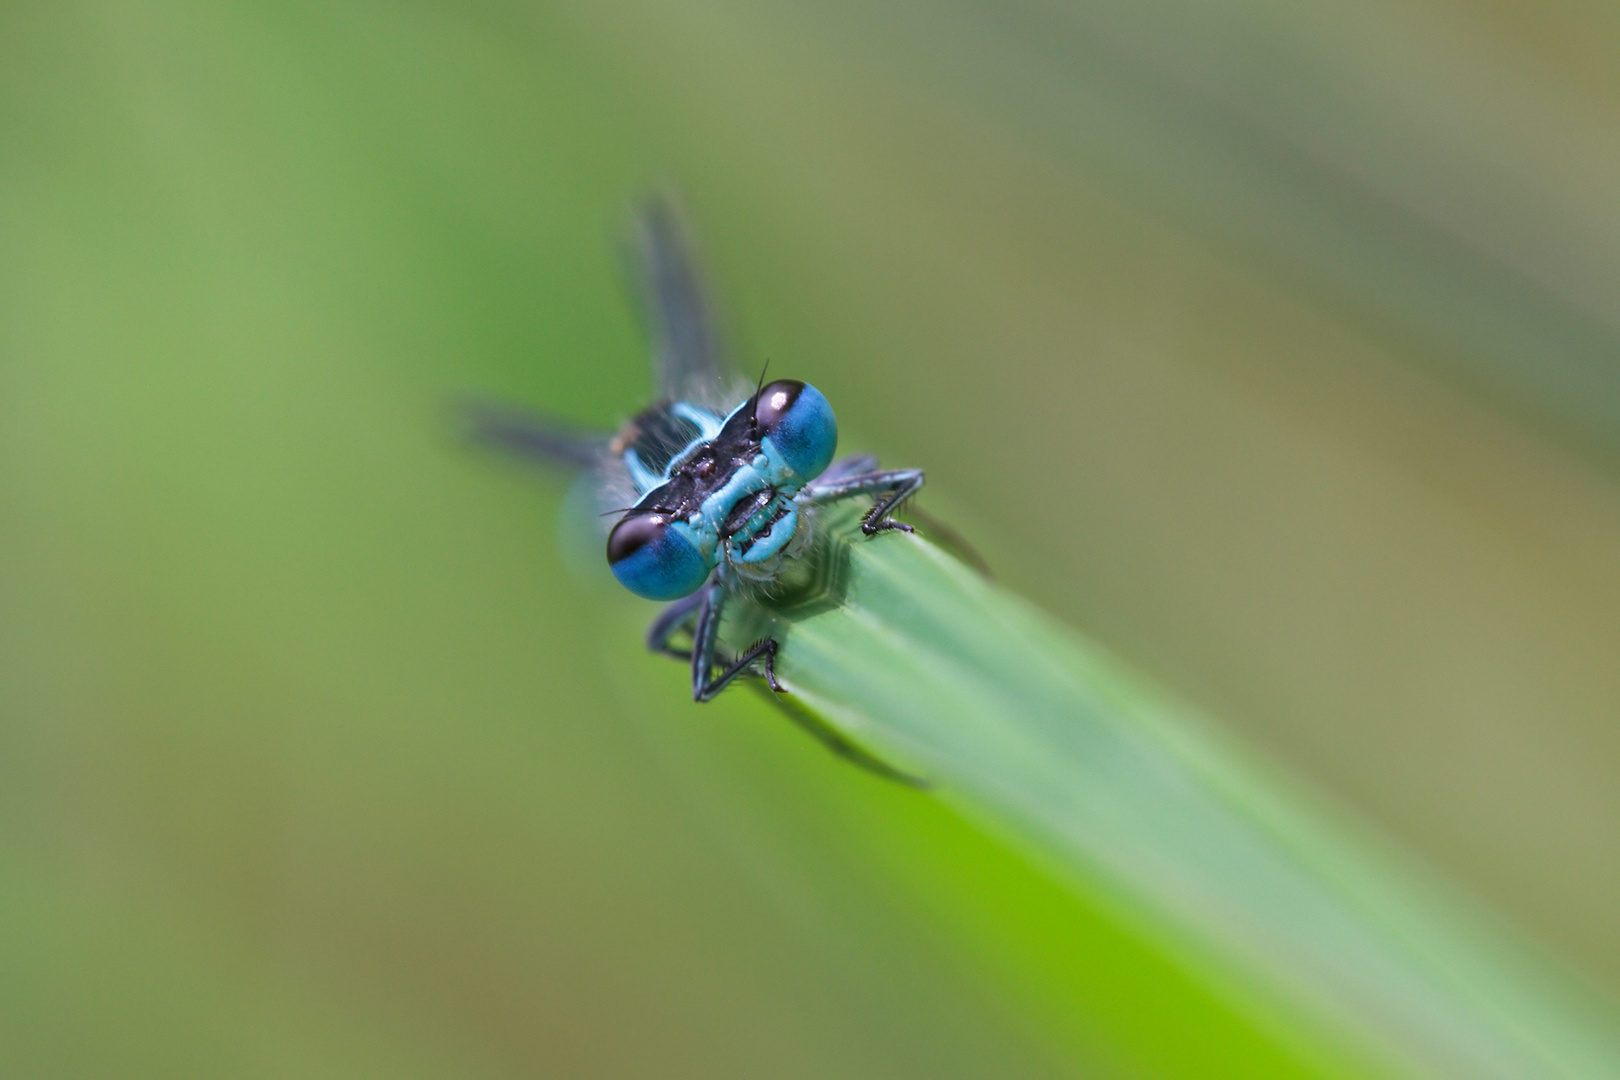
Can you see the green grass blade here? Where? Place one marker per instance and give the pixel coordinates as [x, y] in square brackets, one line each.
[1050, 742]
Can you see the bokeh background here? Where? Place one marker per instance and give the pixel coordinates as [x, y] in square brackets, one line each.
[1276, 346]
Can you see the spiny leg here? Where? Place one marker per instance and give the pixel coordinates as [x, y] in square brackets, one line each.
[858, 464]
[687, 613]
[671, 621]
[705, 639]
[891, 488]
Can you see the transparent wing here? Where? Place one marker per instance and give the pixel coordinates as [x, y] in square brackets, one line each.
[530, 435]
[688, 358]
[604, 488]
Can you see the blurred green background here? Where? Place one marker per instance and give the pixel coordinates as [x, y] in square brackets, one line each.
[1279, 348]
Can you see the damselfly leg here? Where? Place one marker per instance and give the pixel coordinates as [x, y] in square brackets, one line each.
[675, 618]
[890, 489]
[700, 613]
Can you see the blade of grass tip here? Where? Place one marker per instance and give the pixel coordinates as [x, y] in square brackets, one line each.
[1050, 742]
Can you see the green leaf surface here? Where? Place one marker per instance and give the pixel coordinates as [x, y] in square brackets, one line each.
[1047, 740]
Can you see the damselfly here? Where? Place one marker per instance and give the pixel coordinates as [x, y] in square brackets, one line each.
[716, 485]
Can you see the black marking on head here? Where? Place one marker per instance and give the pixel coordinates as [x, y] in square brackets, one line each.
[657, 434]
[707, 468]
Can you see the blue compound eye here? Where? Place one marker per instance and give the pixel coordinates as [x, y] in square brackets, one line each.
[799, 423]
[653, 560]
